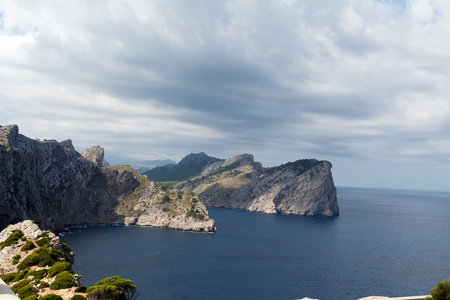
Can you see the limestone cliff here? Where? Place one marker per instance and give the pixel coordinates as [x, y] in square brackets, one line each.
[303, 187]
[56, 186]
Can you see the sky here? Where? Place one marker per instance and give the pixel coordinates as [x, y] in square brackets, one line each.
[362, 84]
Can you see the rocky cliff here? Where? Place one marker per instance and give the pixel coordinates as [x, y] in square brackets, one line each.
[303, 187]
[56, 186]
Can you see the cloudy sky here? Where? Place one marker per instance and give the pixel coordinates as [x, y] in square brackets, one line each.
[363, 84]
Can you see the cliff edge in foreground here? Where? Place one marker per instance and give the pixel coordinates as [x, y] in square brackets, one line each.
[53, 184]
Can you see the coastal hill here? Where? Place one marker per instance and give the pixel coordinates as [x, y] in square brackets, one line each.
[303, 187]
[53, 184]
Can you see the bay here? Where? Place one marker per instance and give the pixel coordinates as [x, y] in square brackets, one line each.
[385, 242]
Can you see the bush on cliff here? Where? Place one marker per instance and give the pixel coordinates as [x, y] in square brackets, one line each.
[51, 297]
[63, 280]
[28, 246]
[112, 288]
[43, 257]
[441, 291]
[78, 297]
[58, 268]
[12, 239]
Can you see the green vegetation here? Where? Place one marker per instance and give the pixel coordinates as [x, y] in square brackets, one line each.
[441, 291]
[8, 277]
[195, 213]
[66, 248]
[112, 288]
[16, 287]
[51, 297]
[28, 246]
[80, 289]
[301, 166]
[31, 297]
[58, 268]
[12, 239]
[63, 280]
[43, 239]
[43, 257]
[43, 285]
[16, 259]
[38, 275]
[78, 297]
[166, 198]
[26, 291]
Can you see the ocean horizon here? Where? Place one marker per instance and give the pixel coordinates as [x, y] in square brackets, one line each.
[385, 242]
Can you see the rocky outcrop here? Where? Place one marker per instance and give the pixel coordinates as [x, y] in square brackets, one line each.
[95, 154]
[30, 265]
[304, 187]
[56, 186]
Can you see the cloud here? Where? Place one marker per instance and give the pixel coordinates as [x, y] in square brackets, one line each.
[339, 80]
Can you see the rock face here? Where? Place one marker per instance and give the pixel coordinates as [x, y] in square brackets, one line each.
[27, 261]
[56, 186]
[95, 154]
[304, 187]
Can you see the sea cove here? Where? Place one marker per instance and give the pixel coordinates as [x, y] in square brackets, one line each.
[385, 242]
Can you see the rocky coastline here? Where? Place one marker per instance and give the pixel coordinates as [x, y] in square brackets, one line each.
[51, 183]
[304, 187]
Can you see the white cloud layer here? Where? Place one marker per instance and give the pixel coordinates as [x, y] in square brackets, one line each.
[363, 84]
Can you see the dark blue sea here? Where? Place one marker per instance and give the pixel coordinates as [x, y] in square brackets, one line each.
[385, 242]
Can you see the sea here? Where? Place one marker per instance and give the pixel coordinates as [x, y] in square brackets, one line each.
[385, 242]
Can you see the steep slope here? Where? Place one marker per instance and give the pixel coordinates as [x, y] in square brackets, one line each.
[55, 185]
[303, 187]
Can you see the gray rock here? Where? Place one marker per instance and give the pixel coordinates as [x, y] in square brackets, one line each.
[304, 187]
[54, 185]
[95, 154]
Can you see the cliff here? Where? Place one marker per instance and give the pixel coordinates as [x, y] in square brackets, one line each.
[56, 186]
[303, 187]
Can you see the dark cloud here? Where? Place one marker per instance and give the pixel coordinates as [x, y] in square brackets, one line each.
[346, 81]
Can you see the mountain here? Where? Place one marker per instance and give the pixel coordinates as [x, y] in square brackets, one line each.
[56, 186]
[303, 187]
[144, 166]
[190, 166]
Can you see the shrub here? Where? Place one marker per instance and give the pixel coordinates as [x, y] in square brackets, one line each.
[78, 297]
[28, 246]
[66, 248]
[13, 238]
[31, 297]
[43, 257]
[441, 291]
[112, 288]
[106, 292]
[42, 242]
[51, 297]
[16, 259]
[21, 275]
[38, 275]
[16, 287]
[80, 289]
[58, 268]
[26, 291]
[8, 277]
[63, 280]
[43, 285]
[166, 198]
